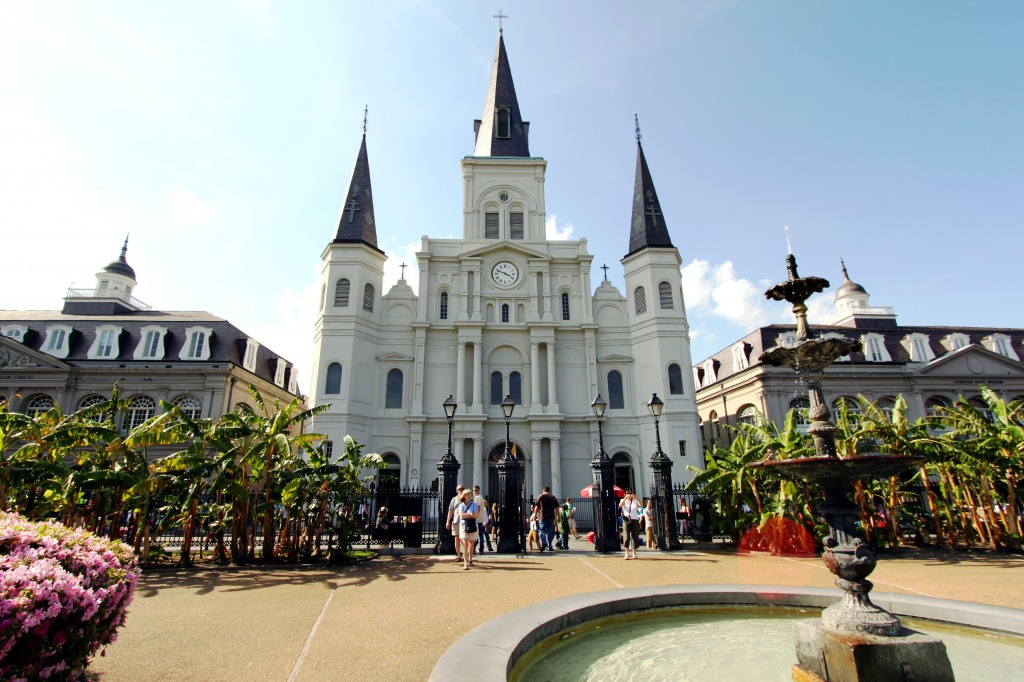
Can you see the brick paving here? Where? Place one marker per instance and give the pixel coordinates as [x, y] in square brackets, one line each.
[391, 618]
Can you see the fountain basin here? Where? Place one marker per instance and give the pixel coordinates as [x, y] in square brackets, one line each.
[492, 650]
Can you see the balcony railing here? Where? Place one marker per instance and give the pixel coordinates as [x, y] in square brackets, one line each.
[108, 293]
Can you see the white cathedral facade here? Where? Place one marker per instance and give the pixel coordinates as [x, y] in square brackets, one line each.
[501, 312]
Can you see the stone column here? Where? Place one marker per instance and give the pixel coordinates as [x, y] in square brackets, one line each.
[537, 482]
[477, 367]
[556, 467]
[552, 393]
[479, 467]
[460, 375]
[534, 376]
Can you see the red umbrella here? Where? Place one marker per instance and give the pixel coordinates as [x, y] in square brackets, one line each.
[589, 491]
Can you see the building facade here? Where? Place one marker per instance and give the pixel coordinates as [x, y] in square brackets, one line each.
[73, 357]
[929, 366]
[504, 311]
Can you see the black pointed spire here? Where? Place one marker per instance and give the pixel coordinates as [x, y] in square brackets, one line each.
[120, 266]
[648, 224]
[356, 223]
[501, 130]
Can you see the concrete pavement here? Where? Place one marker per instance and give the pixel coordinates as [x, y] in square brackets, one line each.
[391, 618]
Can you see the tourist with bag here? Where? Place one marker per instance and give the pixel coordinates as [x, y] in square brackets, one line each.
[630, 522]
[468, 512]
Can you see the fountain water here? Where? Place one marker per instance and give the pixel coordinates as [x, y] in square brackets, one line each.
[854, 639]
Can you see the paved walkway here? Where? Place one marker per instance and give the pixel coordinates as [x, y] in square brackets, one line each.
[391, 618]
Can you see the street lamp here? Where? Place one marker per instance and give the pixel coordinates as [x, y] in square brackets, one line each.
[661, 485]
[606, 536]
[448, 473]
[510, 515]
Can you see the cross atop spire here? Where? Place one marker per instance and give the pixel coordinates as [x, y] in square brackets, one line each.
[499, 16]
[636, 119]
[366, 114]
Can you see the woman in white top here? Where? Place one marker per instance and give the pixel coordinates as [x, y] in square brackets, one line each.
[468, 512]
[630, 522]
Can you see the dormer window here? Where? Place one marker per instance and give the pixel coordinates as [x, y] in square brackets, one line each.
[279, 372]
[739, 357]
[956, 341]
[293, 381]
[787, 340]
[106, 346]
[920, 349]
[15, 331]
[151, 346]
[503, 123]
[197, 344]
[874, 348]
[710, 373]
[1001, 343]
[249, 361]
[57, 342]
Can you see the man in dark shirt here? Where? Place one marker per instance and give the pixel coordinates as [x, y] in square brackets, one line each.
[548, 504]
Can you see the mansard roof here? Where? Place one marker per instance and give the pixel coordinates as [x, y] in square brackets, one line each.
[356, 224]
[648, 228]
[501, 96]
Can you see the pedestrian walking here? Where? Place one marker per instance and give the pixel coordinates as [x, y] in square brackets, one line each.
[562, 527]
[572, 518]
[533, 537]
[630, 522]
[649, 523]
[468, 513]
[484, 521]
[548, 504]
[453, 522]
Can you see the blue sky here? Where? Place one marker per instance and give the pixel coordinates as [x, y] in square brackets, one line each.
[222, 137]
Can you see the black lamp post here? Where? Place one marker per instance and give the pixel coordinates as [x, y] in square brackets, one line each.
[510, 515]
[448, 469]
[661, 485]
[606, 536]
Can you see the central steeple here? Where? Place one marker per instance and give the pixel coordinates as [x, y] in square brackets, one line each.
[501, 130]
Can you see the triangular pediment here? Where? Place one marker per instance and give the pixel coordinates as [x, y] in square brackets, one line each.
[505, 246]
[615, 358]
[14, 355]
[972, 361]
[395, 357]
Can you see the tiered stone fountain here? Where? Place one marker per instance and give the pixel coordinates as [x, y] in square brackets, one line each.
[854, 640]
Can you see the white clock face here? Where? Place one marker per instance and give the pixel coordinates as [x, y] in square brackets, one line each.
[505, 274]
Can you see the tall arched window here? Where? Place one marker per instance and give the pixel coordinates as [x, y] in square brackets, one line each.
[90, 400]
[622, 466]
[368, 295]
[747, 415]
[390, 477]
[393, 400]
[665, 295]
[933, 404]
[640, 300]
[333, 386]
[801, 406]
[504, 123]
[444, 305]
[565, 306]
[504, 312]
[675, 379]
[853, 411]
[716, 427]
[886, 406]
[190, 405]
[141, 408]
[341, 293]
[515, 387]
[38, 405]
[496, 388]
[616, 400]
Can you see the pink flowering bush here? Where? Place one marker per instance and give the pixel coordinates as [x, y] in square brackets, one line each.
[63, 595]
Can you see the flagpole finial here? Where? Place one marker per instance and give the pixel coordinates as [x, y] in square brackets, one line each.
[636, 120]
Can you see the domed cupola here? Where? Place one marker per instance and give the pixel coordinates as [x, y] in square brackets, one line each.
[120, 266]
[850, 294]
[113, 292]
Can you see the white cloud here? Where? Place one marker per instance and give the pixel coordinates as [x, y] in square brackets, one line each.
[186, 207]
[552, 231]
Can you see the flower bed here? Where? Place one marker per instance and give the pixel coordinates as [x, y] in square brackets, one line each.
[63, 595]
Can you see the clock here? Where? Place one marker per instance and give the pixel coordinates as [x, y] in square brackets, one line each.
[505, 274]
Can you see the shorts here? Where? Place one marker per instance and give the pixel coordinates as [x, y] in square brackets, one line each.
[463, 535]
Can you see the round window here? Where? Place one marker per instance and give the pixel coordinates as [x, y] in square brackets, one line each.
[503, 196]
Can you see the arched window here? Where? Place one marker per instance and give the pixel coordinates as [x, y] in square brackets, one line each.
[616, 400]
[640, 300]
[444, 305]
[515, 387]
[675, 379]
[368, 295]
[747, 415]
[341, 293]
[932, 405]
[91, 400]
[622, 466]
[565, 306]
[853, 410]
[504, 312]
[393, 400]
[801, 406]
[496, 388]
[716, 427]
[665, 295]
[504, 123]
[333, 385]
[140, 408]
[886, 406]
[190, 405]
[38, 405]
[391, 475]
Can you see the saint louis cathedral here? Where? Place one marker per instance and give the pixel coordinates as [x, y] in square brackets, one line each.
[504, 311]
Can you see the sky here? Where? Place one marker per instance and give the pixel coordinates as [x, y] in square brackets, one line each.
[222, 136]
